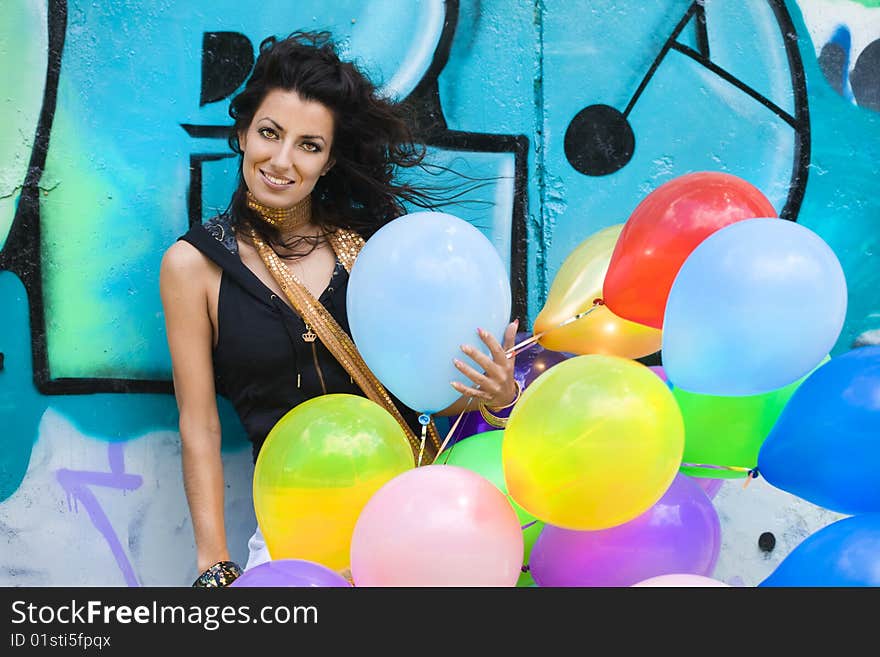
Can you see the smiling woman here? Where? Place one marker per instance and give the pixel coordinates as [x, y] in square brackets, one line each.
[255, 299]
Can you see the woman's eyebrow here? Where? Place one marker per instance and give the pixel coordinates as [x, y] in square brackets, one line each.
[281, 128]
[273, 122]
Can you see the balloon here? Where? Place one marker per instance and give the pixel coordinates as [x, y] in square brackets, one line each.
[664, 229]
[482, 454]
[437, 525]
[844, 553]
[592, 443]
[680, 580]
[528, 365]
[754, 308]
[680, 533]
[659, 371]
[576, 285]
[727, 431]
[710, 486]
[533, 362]
[420, 288]
[825, 447]
[316, 470]
[290, 572]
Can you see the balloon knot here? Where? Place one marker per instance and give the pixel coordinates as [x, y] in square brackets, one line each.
[751, 474]
[598, 302]
[424, 419]
[525, 568]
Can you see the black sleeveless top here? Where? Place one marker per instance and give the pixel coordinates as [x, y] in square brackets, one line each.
[262, 365]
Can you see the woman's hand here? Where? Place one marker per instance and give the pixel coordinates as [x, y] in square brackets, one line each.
[495, 386]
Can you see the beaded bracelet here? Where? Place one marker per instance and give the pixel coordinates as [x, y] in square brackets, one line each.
[496, 420]
[222, 573]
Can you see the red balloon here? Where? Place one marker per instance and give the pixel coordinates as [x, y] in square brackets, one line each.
[662, 231]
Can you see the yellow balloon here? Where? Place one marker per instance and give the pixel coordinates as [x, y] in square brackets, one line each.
[576, 285]
[594, 442]
[317, 469]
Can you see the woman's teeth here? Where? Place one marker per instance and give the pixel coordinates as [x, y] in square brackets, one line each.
[277, 181]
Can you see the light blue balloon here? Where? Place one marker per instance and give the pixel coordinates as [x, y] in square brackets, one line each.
[419, 289]
[754, 307]
[825, 446]
[845, 553]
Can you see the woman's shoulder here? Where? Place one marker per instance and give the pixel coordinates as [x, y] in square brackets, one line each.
[182, 261]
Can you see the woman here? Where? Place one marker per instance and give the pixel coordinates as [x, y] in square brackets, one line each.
[245, 293]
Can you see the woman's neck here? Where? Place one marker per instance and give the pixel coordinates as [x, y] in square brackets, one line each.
[291, 223]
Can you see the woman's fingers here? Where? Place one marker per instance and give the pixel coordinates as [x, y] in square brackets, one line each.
[480, 379]
[510, 335]
[471, 392]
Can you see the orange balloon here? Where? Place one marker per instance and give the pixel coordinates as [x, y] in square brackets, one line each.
[577, 284]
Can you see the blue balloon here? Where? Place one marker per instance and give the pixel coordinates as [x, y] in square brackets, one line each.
[754, 307]
[420, 288]
[845, 553]
[825, 446]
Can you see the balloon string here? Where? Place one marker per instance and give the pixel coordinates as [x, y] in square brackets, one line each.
[422, 446]
[452, 431]
[424, 420]
[527, 343]
[751, 473]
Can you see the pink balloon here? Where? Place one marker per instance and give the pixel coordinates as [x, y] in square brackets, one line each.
[680, 580]
[437, 525]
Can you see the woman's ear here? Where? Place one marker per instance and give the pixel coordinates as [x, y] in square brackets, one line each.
[328, 166]
[242, 140]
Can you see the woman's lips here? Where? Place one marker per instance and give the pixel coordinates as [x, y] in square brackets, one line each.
[275, 182]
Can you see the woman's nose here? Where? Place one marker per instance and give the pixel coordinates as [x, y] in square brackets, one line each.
[283, 156]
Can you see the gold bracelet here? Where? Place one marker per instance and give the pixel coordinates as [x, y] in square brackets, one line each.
[495, 420]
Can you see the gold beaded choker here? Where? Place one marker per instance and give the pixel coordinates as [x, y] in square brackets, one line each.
[284, 219]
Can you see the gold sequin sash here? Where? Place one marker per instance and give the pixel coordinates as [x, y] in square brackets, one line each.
[346, 244]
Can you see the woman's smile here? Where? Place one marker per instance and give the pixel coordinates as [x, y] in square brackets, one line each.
[274, 181]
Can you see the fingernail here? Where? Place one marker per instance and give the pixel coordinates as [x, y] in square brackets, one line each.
[456, 361]
[516, 321]
[480, 332]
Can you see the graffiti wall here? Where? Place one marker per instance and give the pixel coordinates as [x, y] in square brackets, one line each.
[115, 142]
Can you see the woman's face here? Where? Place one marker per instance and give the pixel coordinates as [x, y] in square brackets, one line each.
[286, 148]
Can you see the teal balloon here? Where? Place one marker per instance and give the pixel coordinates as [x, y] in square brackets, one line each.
[845, 553]
[825, 446]
[754, 307]
[420, 288]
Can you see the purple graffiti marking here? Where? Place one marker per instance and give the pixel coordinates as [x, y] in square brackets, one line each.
[76, 484]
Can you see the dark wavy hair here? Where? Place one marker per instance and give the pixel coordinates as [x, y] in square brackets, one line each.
[372, 139]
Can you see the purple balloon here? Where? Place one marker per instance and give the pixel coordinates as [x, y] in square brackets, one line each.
[529, 365]
[681, 533]
[659, 371]
[290, 572]
[710, 486]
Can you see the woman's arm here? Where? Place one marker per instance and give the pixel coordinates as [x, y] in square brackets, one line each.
[184, 283]
[497, 387]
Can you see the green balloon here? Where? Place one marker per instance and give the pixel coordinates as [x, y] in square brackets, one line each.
[481, 453]
[728, 431]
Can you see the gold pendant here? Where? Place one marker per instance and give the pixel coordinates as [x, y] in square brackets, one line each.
[309, 335]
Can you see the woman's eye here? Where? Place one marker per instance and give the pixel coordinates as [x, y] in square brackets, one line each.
[268, 133]
[311, 147]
